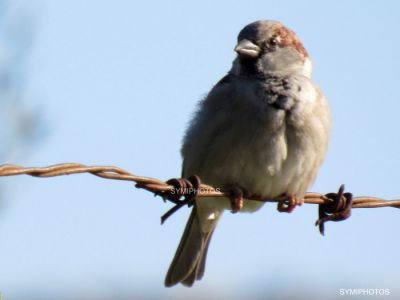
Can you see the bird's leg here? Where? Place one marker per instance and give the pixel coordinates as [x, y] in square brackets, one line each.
[236, 195]
[290, 203]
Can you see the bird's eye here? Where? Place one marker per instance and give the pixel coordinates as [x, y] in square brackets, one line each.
[273, 41]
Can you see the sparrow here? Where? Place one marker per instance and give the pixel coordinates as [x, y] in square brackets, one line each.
[263, 128]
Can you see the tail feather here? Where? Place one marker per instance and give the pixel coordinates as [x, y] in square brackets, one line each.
[188, 263]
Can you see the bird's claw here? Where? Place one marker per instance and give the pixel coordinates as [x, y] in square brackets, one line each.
[236, 196]
[290, 203]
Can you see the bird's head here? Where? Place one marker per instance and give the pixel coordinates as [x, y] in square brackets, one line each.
[269, 48]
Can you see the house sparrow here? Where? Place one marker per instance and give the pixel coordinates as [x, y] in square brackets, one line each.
[263, 128]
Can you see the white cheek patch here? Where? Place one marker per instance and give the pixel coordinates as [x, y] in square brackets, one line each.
[307, 68]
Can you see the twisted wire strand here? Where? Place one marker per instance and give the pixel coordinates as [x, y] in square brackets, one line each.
[159, 187]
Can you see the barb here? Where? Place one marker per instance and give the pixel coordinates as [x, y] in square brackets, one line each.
[331, 204]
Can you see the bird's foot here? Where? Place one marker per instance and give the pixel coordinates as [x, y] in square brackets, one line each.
[236, 196]
[290, 203]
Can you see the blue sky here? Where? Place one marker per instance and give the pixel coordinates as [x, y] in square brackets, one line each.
[117, 82]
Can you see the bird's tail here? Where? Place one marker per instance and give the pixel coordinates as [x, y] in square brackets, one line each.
[190, 258]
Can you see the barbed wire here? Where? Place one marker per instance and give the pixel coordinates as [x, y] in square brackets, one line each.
[332, 206]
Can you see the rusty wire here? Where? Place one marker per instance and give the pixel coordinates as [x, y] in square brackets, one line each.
[164, 189]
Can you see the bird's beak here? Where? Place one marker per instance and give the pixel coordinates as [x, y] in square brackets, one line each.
[247, 49]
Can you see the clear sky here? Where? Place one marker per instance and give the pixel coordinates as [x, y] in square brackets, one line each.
[116, 82]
